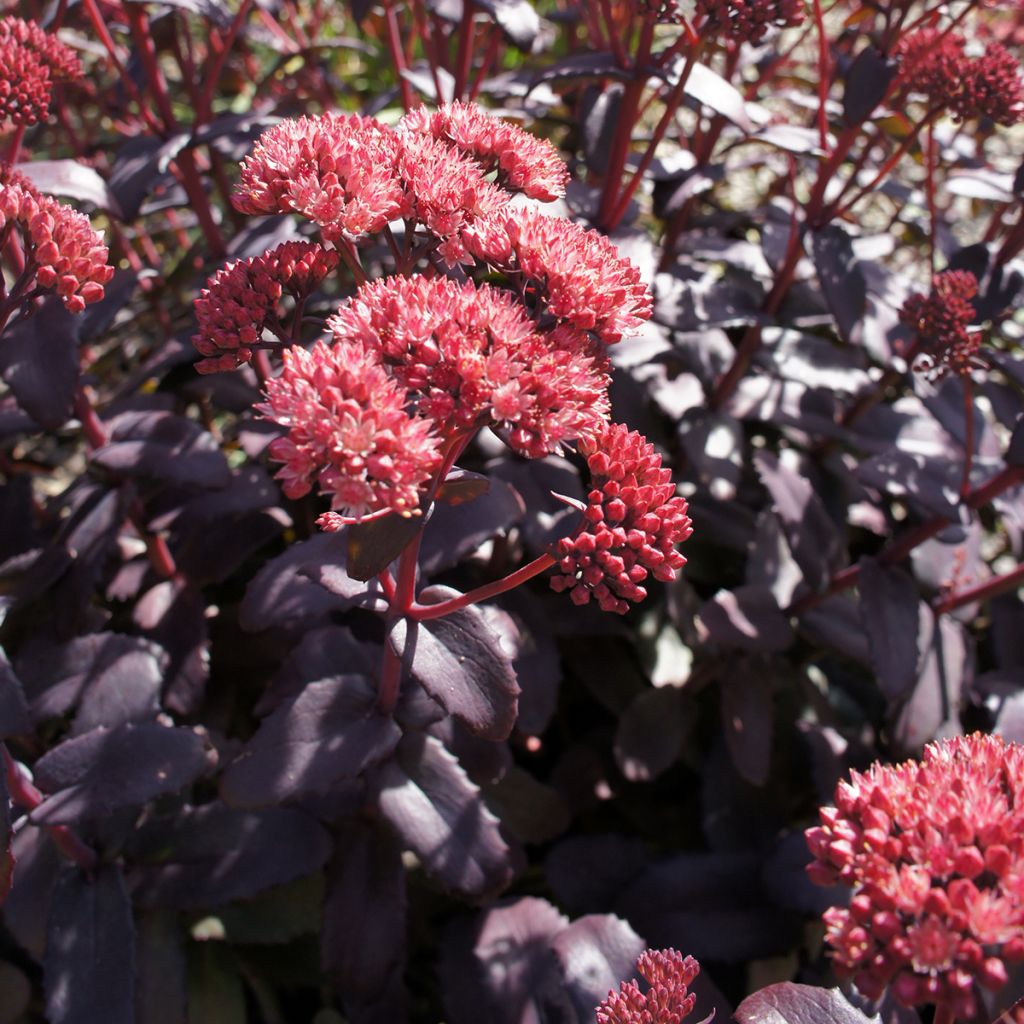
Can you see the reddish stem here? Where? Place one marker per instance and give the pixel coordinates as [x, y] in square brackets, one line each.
[824, 75]
[980, 591]
[464, 54]
[397, 57]
[213, 73]
[423, 612]
[25, 795]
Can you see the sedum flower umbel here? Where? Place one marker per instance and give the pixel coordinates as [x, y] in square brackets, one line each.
[934, 854]
[667, 999]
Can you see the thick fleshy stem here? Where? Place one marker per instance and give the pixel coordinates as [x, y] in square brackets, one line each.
[824, 75]
[397, 57]
[464, 55]
[423, 612]
[25, 795]
[980, 591]
[899, 547]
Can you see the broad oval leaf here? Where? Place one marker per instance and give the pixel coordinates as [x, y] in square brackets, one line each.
[89, 969]
[438, 813]
[13, 709]
[748, 718]
[789, 1003]
[747, 619]
[363, 937]
[372, 546]
[207, 856]
[6, 835]
[72, 179]
[329, 732]
[651, 733]
[93, 775]
[841, 278]
[709, 88]
[867, 82]
[889, 610]
[459, 660]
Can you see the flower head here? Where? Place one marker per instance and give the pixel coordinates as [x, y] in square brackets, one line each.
[993, 88]
[469, 356]
[337, 171]
[349, 430]
[449, 196]
[244, 297]
[747, 21]
[934, 854]
[523, 162]
[69, 257]
[633, 522]
[577, 275]
[941, 320]
[31, 60]
[667, 1000]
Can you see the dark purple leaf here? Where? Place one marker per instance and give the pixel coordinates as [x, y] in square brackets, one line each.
[89, 970]
[13, 709]
[460, 662]
[770, 562]
[789, 1003]
[484, 761]
[516, 18]
[15, 993]
[39, 864]
[111, 678]
[589, 872]
[711, 905]
[929, 483]
[331, 731]
[71, 179]
[501, 970]
[809, 530]
[841, 279]
[455, 531]
[889, 610]
[160, 958]
[794, 138]
[141, 164]
[438, 814]
[581, 67]
[945, 672]
[867, 82]
[530, 810]
[173, 613]
[835, 623]
[713, 443]
[211, 552]
[163, 446]
[595, 953]
[284, 591]
[747, 717]
[107, 769]
[39, 362]
[211, 855]
[6, 836]
[786, 881]
[461, 486]
[599, 115]
[651, 733]
[537, 663]
[360, 9]
[374, 545]
[708, 87]
[363, 937]
[1015, 450]
[747, 619]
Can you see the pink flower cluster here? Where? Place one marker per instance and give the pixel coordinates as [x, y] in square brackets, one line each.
[31, 60]
[633, 522]
[523, 162]
[419, 362]
[934, 854]
[747, 21]
[349, 430]
[62, 251]
[667, 1000]
[243, 298]
[935, 64]
[942, 320]
[470, 357]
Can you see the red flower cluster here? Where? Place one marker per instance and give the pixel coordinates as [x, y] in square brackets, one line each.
[632, 524]
[31, 60]
[523, 162]
[470, 357]
[667, 999]
[340, 172]
[934, 854]
[941, 320]
[243, 298]
[62, 251]
[578, 275]
[747, 21]
[349, 430]
[935, 64]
